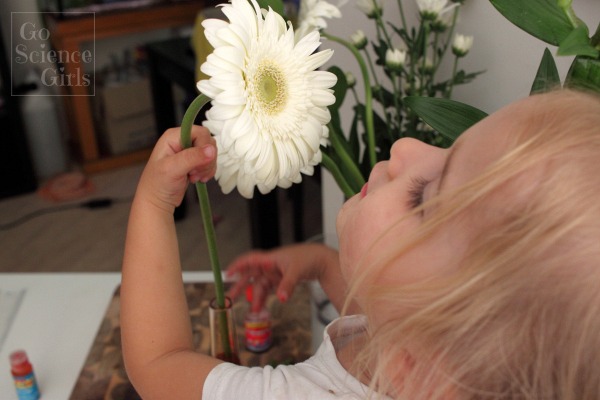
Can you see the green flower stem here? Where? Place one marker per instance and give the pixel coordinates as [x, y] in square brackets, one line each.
[402, 14]
[369, 122]
[380, 97]
[395, 78]
[426, 29]
[354, 94]
[567, 7]
[381, 26]
[371, 67]
[451, 86]
[351, 167]
[449, 37]
[337, 175]
[207, 218]
[436, 37]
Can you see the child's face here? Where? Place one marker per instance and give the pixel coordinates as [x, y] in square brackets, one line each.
[415, 173]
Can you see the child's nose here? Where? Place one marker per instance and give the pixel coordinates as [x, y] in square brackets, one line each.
[407, 152]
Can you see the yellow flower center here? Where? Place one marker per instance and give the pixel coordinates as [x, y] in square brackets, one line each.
[272, 89]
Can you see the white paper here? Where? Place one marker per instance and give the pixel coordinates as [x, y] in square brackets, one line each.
[10, 300]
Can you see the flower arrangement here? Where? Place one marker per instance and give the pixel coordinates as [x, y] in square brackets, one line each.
[400, 61]
[552, 21]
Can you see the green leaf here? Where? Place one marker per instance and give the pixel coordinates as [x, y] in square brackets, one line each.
[547, 77]
[543, 19]
[596, 37]
[341, 152]
[584, 74]
[383, 96]
[276, 5]
[450, 118]
[577, 44]
[462, 77]
[332, 166]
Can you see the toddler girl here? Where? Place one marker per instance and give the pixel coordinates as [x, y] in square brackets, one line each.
[463, 273]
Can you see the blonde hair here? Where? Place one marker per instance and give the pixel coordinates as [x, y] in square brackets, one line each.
[520, 319]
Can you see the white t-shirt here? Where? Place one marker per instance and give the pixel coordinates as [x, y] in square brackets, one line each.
[319, 377]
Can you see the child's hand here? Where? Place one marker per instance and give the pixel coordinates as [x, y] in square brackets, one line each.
[280, 269]
[170, 168]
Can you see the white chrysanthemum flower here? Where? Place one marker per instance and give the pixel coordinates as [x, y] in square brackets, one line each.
[370, 7]
[426, 65]
[462, 44]
[431, 9]
[269, 104]
[313, 14]
[350, 79]
[395, 59]
[359, 39]
[443, 21]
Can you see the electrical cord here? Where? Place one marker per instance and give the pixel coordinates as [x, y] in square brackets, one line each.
[93, 204]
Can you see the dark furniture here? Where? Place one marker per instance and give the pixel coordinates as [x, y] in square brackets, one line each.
[16, 170]
[173, 62]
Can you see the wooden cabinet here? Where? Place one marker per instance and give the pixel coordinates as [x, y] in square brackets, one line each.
[68, 35]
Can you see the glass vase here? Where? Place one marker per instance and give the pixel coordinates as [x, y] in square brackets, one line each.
[223, 338]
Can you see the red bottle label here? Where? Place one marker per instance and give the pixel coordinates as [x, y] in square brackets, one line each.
[258, 335]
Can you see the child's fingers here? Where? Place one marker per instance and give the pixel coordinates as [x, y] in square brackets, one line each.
[208, 168]
[238, 287]
[198, 163]
[286, 287]
[253, 263]
[260, 291]
[170, 141]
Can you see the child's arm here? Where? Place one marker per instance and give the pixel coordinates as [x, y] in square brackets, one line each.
[282, 268]
[155, 324]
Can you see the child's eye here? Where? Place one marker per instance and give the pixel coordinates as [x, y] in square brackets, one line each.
[415, 192]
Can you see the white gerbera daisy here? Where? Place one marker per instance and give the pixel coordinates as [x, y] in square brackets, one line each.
[269, 105]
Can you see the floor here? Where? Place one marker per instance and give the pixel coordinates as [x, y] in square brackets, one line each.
[68, 238]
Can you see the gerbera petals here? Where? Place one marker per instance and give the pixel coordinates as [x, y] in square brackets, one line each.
[269, 105]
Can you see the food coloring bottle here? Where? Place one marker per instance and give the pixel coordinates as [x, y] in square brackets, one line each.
[257, 327]
[22, 372]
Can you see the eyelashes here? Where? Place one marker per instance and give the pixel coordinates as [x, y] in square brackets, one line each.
[415, 192]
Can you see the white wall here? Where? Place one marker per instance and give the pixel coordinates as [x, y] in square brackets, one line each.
[509, 56]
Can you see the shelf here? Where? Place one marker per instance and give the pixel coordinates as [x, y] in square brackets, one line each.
[68, 34]
[118, 161]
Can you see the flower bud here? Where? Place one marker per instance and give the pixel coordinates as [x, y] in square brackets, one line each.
[430, 9]
[394, 59]
[359, 40]
[461, 45]
[442, 22]
[371, 8]
[350, 79]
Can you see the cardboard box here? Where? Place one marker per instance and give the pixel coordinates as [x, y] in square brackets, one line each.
[126, 116]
